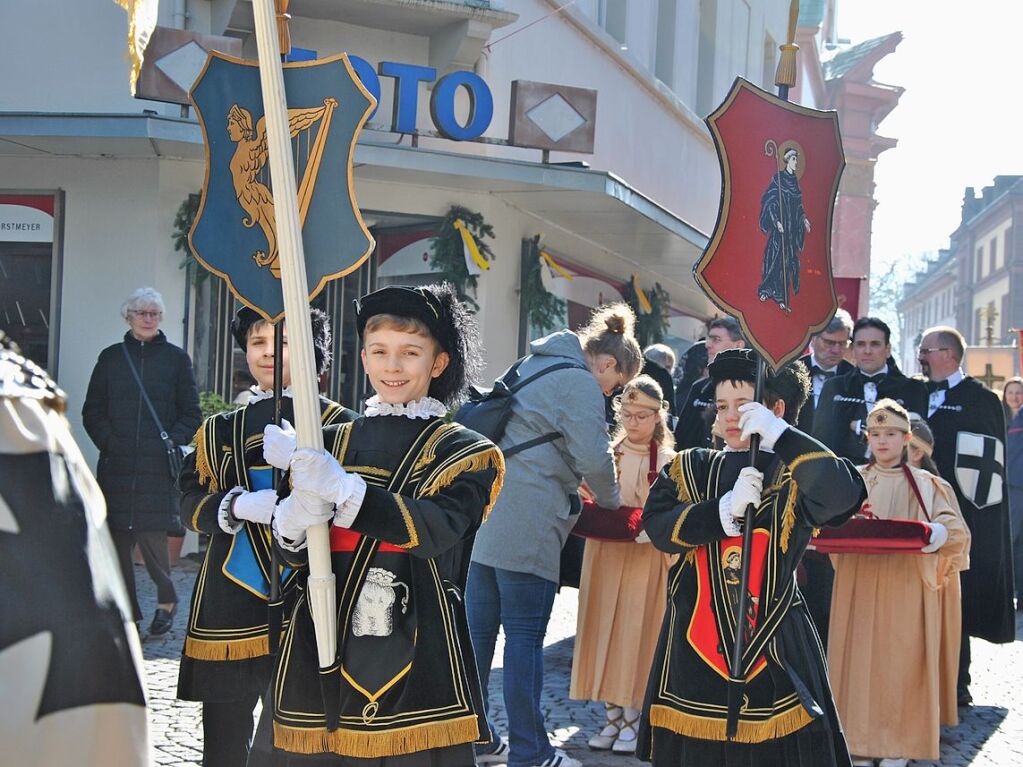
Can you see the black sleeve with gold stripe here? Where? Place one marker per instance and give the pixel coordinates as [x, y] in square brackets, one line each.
[427, 527]
[204, 479]
[675, 517]
[829, 487]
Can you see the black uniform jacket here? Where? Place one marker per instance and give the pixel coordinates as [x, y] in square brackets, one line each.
[805, 421]
[405, 677]
[228, 620]
[788, 697]
[969, 435]
[842, 402]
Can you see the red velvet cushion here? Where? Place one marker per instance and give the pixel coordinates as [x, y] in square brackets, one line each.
[600, 524]
[863, 535]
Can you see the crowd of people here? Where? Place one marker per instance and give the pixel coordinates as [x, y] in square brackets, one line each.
[442, 536]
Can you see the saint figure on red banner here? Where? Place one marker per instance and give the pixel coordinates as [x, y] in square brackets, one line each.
[783, 219]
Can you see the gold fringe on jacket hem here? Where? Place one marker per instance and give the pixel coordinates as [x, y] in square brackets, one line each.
[712, 728]
[373, 745]
[491, 458]
[231, 649]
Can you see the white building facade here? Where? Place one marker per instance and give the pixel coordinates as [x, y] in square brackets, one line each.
[115, 169]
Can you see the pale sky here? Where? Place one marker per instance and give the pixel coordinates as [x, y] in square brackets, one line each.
[960, 121]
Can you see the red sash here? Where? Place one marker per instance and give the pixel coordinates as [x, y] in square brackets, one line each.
[343, 539]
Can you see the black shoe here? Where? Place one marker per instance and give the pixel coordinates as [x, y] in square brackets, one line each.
[163, 620]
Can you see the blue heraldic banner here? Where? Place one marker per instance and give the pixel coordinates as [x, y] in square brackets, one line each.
[234, 234]
[241, 564]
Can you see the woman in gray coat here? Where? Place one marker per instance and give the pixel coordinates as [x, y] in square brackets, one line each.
[516, 556]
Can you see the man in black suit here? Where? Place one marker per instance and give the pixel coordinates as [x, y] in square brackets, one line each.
[696, 419]
[840, 419]
[969, 450]
[825, 361]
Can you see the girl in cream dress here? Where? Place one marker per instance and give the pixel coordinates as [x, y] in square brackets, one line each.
[621, 593]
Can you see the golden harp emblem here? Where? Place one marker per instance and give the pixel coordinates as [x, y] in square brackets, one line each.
[250, 173]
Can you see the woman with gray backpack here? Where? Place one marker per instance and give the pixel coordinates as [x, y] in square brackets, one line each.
[554, 438]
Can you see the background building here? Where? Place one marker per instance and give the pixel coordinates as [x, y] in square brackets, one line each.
[104, 175]
[977, 284]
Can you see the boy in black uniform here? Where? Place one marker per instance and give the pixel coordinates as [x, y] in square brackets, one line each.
[404, 492]
[695, 509]
[227, 493]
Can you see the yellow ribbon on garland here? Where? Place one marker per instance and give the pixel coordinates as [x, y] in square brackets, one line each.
[472, 250]
[644, 303]
[555, 266]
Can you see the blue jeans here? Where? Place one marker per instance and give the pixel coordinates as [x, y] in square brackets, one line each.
[522, 604]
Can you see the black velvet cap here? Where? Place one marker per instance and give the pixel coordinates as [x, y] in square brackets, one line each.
[245, 318]
[402, 301]
[791, 383]
[445, 316]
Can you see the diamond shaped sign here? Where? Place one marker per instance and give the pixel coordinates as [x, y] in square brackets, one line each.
[556, 117]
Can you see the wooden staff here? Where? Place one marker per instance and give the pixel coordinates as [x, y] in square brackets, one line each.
[294, 284]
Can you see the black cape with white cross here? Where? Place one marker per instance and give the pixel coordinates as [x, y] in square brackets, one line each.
[969, 449]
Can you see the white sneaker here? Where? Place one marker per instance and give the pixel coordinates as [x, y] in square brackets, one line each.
[497, 756]
[560, 759]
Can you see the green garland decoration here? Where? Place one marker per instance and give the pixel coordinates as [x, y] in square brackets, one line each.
[653, 327]
[545, 310]
[183, 221]
[448, 256]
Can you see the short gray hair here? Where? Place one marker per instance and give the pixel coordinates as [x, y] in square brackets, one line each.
[142, 297]
[841, 321]
[661, 354]
[950, 337]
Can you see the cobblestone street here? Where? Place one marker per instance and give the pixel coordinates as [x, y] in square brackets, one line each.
[990, 733]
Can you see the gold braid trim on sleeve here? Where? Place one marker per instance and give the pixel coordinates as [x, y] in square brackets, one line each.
[491, 458]
[713, 728]
[410, 525]
[678, 527]
[376, 744]
[788, 516]
[800, 460]
[203, 468]
[675, 473]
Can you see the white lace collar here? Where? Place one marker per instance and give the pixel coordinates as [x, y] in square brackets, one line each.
[427, 407]
[259, 394]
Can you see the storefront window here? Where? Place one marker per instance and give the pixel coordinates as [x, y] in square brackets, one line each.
[30, 274]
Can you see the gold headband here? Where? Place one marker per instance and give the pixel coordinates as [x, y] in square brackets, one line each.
[921, 444]
[883, 418]
[640, 398]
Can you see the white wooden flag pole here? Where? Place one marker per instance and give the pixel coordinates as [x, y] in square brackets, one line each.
[320, 588]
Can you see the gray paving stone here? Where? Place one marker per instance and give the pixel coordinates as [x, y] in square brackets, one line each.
[989, 733]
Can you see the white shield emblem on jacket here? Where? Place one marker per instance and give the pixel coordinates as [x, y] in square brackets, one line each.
[980, 465]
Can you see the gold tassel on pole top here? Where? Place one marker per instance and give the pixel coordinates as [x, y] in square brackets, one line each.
[785, 77]
[283, 30]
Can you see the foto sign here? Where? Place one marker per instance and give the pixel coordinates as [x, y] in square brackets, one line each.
[407, 78]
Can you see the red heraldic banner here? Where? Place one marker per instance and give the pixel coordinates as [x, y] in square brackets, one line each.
[769, 261]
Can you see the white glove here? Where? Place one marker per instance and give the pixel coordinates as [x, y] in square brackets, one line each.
[758, 419]
[319, 473]
[279, 444]
[255, 507]
[939, 535]
[733, 504]
[296, 514]
[642, 537]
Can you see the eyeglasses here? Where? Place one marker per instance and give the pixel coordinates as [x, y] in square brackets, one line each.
[148, 315]
[636, 417]
[928, 349]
